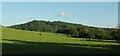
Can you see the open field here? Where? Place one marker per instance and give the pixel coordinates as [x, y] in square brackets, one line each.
[30, 42]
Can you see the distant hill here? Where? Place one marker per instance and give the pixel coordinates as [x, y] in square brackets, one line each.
[47, 26]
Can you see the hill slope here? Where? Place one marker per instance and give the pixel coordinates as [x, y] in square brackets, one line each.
[74, 30]
[45, 26]
[30, 42]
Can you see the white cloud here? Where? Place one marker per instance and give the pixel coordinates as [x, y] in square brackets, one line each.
[64, 15]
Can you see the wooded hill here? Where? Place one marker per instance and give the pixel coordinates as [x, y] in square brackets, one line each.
[75, 30]
[45, 26]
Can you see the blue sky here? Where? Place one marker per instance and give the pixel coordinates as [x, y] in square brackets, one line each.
[59, 0]
[99, 14]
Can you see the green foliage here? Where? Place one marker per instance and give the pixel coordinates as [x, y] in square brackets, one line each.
[101, 34]
[44, 26]
[118, 35]
[114, 34]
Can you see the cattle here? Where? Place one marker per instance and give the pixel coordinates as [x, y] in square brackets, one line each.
[40, 34]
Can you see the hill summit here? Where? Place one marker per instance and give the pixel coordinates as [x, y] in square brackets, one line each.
[45, 26]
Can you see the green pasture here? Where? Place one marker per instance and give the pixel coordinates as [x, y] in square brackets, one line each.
[30, 42]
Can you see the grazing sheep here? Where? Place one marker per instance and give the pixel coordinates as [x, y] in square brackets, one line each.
[69, 35]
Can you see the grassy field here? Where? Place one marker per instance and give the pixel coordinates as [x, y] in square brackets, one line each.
[30, 42]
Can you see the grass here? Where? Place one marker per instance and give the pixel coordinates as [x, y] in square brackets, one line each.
[30, 42]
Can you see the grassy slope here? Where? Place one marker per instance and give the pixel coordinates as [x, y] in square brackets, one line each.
[29, 42]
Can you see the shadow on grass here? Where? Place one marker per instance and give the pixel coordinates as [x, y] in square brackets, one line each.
[25, 47]
[100, 41]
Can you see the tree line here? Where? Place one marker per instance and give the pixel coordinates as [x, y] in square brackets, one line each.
[75, 30]
[85, 32]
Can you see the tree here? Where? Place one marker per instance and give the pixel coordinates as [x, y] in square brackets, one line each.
[85, 33]
[115, 34]
[118, 35]
[100, 34]
[73, 31]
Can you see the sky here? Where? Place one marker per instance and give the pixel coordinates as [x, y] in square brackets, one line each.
[59, 0]
[98, 14]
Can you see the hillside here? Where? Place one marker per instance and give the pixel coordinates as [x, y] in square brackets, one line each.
[45, 26]
[30, 42]
[74, 30]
